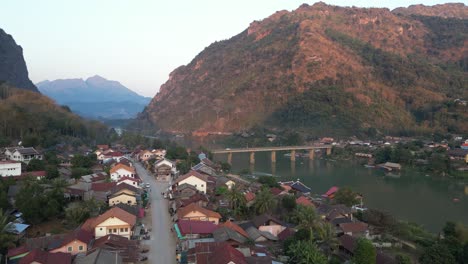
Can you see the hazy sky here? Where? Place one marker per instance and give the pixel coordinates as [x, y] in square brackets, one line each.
[136, 42]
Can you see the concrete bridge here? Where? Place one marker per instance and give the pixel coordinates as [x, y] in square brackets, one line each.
[273, 150]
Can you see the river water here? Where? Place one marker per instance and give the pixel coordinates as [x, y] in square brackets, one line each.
[411, 196]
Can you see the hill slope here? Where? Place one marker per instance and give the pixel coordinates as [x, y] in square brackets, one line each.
[326, 70]
[12, 66]
[37, 121]
[95, 97]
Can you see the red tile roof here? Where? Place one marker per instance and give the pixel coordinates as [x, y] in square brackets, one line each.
[79, 234]
[234, 227]
[44, 257]
[302, 200]
[250, 196]
[17, 251]
[194, 198]
[182, 212]
[354, 227]
[227, 254]
[202, 251]
[129, 178]
[102, 186]
[121, 166]
[113, 212]
[286, 233]
[88, 224]
[196, 227]
[276, 191]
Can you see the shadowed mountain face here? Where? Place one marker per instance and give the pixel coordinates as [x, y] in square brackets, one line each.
[12, 66]
[95, 97]
[326, 70]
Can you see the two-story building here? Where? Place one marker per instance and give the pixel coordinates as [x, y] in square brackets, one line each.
[114, 221]
[120, 171]
[196, 179]
[22, 154]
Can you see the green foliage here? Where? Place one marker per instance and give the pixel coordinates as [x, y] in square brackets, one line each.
[236, 200]
[345, 196]
[403, 259]
[6, 240]
[264, 201]
[81, 161]
[36, 165]
[78, 172]
[226, 167]
[177, 152]
[305, 218]
[52, 171]
[222, 190]
[269, 181]
[446, 32]
[437, 253]
[365, 252]
[38, 121]
[289, 202]
[305, 252]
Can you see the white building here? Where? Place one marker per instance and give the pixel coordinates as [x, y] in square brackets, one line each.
[22, 154]
[10, 168]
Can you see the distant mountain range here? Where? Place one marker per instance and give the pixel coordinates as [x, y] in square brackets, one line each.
[12, 65]
[95, 97]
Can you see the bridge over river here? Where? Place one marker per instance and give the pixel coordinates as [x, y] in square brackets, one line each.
[273, 150]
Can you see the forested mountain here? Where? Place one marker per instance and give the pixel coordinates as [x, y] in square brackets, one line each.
[95, 97]
[12, 66]
[326, 70]
[36, 120]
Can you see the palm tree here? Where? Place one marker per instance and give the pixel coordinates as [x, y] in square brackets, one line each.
[6, 240]
[305, 218]
[236, 199]
[305, 252]
[326, 237]
[264, 201]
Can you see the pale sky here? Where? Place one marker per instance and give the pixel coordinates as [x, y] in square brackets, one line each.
[135, 42]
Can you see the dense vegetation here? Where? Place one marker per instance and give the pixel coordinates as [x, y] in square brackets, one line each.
[37, 121]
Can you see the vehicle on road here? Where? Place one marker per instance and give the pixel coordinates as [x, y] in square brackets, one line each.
[148, 185]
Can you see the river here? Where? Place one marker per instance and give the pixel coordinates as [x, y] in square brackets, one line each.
[412, 196]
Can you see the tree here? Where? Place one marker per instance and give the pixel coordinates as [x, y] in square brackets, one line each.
[437, 253]
[226, 167]
[78, 172]
[365, 252]
[269, 181]
[289, 202]
[326, 236]
[264, 201]
[345, 196]
[6, 240]
[36, 165]
[305, 252]
[52, 172]
[403, 259]
[305, 218]
[80, 161]
[236, 200]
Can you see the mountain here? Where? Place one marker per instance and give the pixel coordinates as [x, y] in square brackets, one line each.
[37, 120]
[95, 97]
[326, 70]
[452, 10]
[12, 65]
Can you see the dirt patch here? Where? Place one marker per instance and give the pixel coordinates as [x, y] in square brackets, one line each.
[53, 226]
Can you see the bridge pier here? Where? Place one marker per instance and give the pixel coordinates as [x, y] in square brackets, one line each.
[293, 155]
[311, 154]
[273, 156]
[252, 157]
[328, 151]
[229, 158]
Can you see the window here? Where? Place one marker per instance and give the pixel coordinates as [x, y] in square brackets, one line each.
[100, 229]
[121, 229]
[195, 185]
[115, 230]
[126, 229]
[202, 185]
[80, 248]
[110, 231]
[70, 249]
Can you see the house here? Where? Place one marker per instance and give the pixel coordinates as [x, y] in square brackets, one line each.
[304, 201]
[195, 212]
[295, 186]
[234, 227]
[331, 212]
[95, 177]
[464, 146]
[269, 223]
[205, 169]
[390, 166]
[198, 198]
[164, 168]
[114, 221]
[100, 255]
[199, 181]
[101, 190]
[216, 253]
[122, 197]
[102, 147]
[185, 191]
[257, 235]
[192, 229]
[76, 242]
[10, 168]
[348, 244]
[249, 198]
[22, 154]
[125, 188]
[17, 229]
[127, 249]
[135, 182]
[232, 237]
[355, 229]
[38, 256]
[331, 192]
[226, 182]
[120, 171]
[286, 233]
[14, 254]
[146, 155]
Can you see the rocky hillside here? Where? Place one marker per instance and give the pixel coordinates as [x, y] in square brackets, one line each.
[326, 70]
[95, 97]
[452, 10]
[12, 66]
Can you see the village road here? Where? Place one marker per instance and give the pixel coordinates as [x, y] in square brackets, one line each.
[162, 243]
